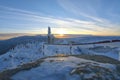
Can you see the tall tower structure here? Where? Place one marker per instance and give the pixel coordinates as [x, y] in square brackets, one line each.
[49, 31]
[50, 36]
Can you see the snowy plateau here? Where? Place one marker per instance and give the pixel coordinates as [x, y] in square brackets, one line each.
[89, 58]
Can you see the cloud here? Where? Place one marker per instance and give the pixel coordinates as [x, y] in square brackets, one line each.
[34, 21]
[89, 10]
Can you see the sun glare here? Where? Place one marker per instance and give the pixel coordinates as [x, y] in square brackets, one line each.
[61, 32]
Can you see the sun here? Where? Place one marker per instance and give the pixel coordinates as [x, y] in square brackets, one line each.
[61, 32]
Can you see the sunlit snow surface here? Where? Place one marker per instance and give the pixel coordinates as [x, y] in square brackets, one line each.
[21, 54]
[67, 68]
[30, 52]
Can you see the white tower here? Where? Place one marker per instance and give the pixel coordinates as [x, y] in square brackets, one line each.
[50, 36]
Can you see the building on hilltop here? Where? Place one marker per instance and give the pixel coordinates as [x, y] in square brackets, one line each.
[50, 36]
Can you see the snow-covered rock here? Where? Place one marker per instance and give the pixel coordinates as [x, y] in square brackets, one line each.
[69, 68]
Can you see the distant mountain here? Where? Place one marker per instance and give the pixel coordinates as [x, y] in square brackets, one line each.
[6, 45]
[88, 39]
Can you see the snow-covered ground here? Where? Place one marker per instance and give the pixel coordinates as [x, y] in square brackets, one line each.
[69, 68]
[107, 49]
[33, 51]
[30, 52]
[21, 54]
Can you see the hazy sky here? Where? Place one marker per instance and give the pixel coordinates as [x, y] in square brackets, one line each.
[98, 17]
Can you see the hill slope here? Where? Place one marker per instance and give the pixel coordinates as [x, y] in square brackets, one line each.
[6, 45]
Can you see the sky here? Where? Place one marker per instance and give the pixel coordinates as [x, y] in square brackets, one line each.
[95, 17]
